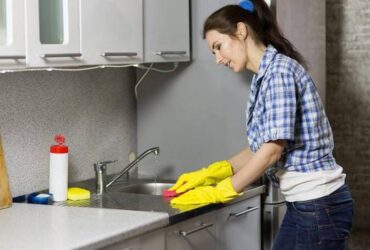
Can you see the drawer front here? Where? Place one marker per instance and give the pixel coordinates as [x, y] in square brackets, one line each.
[240, 225]
[199, 233]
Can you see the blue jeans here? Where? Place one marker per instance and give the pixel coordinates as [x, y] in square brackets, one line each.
[322, 223]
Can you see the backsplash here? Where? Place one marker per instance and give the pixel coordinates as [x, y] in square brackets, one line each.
[95, 110]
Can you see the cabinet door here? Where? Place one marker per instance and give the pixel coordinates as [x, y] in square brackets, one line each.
[111, 31]
[12, 34]
[52, 33]
[166, 30]
[199, 233]
[240, 225]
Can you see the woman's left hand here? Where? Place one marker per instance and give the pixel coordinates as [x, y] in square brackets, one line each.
[222, 192]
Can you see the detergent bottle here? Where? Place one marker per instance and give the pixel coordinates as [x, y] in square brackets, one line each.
[58, 175]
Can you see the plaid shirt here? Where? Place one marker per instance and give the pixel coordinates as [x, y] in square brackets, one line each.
[284, 104]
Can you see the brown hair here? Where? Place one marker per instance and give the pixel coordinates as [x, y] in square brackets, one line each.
[261, 21]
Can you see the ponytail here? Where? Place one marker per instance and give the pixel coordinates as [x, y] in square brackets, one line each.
[262, 22]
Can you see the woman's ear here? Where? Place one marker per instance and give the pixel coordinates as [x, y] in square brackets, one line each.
[241, 31]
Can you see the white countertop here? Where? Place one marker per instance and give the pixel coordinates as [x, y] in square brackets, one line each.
[30, 226]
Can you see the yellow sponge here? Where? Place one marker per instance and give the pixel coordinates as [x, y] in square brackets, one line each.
[76, 194]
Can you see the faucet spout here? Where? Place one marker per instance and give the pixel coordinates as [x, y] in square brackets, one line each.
[154, 151]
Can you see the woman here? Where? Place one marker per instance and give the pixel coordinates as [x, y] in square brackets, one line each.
[288, 132]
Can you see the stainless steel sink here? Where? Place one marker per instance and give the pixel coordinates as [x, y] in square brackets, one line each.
[151, 188]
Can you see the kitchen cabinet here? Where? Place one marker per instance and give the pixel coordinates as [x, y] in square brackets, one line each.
[166, 30]
[111, 31]
[239, 225]
[52, 33]
[232, 227]
[57, 33]
[198, 233]
[150, 241]
[12, 34]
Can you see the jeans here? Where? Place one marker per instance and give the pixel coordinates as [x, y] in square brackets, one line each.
[322, 223]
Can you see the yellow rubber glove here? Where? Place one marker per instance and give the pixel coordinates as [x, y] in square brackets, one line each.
[211, 175]
[222, 192]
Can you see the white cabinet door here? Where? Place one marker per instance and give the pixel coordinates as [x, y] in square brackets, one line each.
[199, 233]
[240, 225]
[111, 31]
[52, 33]
[166, 30]
[12, 34]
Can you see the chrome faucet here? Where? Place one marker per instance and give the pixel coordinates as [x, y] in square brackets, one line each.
[101, 170]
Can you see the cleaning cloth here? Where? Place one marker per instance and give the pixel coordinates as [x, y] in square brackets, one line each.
[170, 193]
[76, 194]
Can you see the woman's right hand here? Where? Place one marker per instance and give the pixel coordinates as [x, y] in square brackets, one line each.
[189, 180]
[211, 175]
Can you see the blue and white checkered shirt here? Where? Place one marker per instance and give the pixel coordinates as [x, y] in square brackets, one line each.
[284, 104]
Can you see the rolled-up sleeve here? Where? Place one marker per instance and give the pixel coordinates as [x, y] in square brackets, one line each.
[280, 108]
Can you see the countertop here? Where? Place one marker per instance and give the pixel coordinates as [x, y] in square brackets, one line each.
[98, 222]
[31, 226]
[150, 203]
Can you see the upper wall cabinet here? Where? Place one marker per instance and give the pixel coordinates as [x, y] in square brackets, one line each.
[57, 33]
[52, 33]
[111, 31]
[12, 34]
[166, 30]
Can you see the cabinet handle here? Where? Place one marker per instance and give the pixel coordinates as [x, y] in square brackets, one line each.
[202, 226]
[165, 53]
[249, 209]
[105, 54]
[15, 57]
[130, 248]
[61, 55]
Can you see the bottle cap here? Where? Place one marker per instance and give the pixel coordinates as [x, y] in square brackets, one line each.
[59, 148]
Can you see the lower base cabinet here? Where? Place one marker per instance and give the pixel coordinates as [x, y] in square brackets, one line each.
[239, 225]
[234, 227]
[198, 233]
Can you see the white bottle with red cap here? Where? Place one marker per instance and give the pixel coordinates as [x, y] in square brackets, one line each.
[58, 175]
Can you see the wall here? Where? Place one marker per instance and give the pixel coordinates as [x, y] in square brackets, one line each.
[196, 114]
[95, 110]
[303, 24]
[348, 102]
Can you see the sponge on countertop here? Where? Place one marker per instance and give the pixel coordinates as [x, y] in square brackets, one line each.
[76, 194]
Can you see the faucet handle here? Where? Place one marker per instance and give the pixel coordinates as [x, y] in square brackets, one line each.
[102, 164]
[101, 175]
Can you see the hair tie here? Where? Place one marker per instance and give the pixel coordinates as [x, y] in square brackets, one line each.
[247, 5]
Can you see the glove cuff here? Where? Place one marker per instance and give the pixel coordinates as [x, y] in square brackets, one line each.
[226, 191]
[218, 171]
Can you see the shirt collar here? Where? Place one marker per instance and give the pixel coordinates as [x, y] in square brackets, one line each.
[267, 58]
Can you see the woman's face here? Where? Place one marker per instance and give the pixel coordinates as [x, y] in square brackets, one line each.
[229, 51]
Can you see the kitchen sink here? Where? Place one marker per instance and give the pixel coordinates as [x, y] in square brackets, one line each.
[151, 188]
